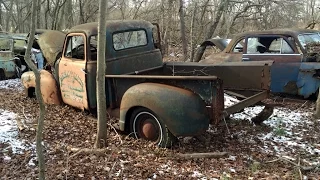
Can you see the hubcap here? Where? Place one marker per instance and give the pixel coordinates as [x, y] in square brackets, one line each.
[149, 130]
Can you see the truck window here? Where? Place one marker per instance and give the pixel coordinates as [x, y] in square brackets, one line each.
[93, 47]
[6, 44]
[129, 39]
[75, 47]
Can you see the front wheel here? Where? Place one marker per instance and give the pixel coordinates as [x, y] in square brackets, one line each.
[146, 125]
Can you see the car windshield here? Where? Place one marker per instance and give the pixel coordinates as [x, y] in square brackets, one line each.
[307, 38]
[6, 44]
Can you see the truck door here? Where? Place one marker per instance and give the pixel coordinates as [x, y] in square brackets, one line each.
[72, 76]
[281, 50]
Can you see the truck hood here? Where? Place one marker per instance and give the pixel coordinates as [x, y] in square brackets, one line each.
[51, 43]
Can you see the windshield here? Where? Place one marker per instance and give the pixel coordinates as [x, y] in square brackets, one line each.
[308, 38]
[6, 44]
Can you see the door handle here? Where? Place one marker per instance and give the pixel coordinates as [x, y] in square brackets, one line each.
[245, 59]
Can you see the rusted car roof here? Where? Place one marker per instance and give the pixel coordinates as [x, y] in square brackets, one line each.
[287, 31]
[115, 25]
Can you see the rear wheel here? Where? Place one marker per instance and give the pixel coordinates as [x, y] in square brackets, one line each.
[146, 125]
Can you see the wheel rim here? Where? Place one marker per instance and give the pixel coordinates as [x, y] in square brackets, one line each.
[147, 126]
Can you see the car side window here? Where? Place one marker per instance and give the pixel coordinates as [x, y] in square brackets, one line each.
[268, 45]
[280, 46]
[75, 47]
[255, 46]
[239, 46]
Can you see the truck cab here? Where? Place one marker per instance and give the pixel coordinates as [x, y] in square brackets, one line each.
[129, 48]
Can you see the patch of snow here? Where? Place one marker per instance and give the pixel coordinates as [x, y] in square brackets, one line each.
[229, 100]
[9, 132]
[197, 174]
[283, 139]
[14, 84]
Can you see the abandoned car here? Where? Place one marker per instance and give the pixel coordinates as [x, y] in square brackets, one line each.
[295, 52]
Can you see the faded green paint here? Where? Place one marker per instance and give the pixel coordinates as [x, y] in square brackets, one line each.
[7, 58]
[183, 111]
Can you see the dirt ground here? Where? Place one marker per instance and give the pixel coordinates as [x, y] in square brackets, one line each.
[286, 146]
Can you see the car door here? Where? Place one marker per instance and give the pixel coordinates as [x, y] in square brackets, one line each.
[72, 76]
[281, 50]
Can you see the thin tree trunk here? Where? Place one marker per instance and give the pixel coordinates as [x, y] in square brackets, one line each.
[191, 32]
[183, 32]
[101, 140]
[212, 28]
[39, 134]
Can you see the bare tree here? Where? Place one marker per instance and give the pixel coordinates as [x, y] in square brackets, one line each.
[212, 28]
[39, 134]
[101, 140]
[183, 31]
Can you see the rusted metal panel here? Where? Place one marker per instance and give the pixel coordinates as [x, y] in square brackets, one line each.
[308, 80]
[235, 75]
[247, 102]
[183, 111]
[51, 43]
[49, 89]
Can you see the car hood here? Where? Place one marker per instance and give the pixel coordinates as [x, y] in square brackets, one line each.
[51, 43]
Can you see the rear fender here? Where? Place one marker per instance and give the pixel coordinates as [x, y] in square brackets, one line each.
[49, 89]
[308, 79]
[183, 112]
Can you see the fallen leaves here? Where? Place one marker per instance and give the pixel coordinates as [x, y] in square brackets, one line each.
[128, 158]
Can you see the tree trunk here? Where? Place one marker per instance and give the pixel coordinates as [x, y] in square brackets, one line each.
[191, 32]
[212, 28]
[101, 140]
[183, 32]
[39, 134]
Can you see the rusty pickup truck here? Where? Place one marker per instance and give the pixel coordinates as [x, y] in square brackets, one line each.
[152, 100]
[295, 52]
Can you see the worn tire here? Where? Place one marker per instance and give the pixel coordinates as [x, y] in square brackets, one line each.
[146, 125]
[2, 75]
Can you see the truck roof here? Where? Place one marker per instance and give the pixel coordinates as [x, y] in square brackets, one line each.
[112, 26]
[286, 31]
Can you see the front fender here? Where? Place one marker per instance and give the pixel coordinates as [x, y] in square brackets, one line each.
[183, 112]
[49, 89]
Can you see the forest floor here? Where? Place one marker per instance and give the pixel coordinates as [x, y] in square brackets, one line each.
[286, 146]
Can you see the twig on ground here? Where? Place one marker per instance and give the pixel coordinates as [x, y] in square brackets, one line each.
[202, 155]
[303, 168]
[117, 134]
[78, 151]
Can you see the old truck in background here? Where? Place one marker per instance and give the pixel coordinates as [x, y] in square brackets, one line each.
[10, 65]
[153, 100]
[295, 52]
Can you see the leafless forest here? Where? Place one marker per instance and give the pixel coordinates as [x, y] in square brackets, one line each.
[186, 22]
